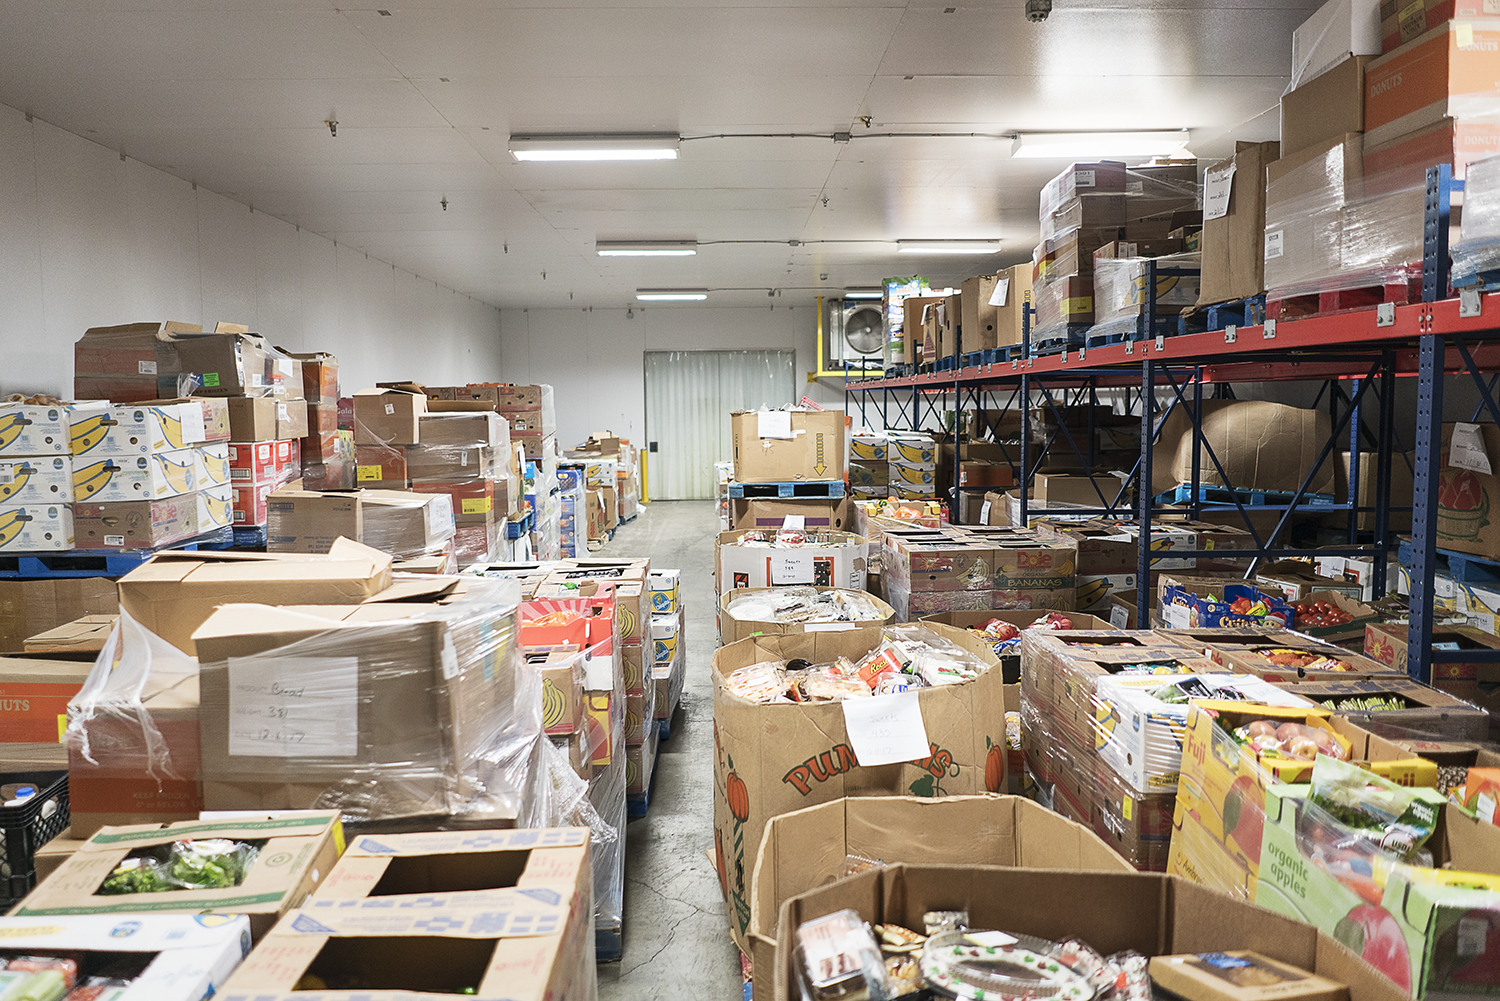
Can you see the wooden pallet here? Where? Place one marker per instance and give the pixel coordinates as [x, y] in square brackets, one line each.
[1406, 290]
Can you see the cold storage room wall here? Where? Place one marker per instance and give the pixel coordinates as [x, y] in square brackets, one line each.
[594, 359]
[89, 239]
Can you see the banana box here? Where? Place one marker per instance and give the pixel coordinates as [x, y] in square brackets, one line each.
[34, 431]
[136, 430]
[36, 480]
[908, 491]
[140, 477]
[666, 632]
[135, 524]
[562, 694]
[640, 713]
[917, 451]
[38, 528]
[602, 726]
[911, 477]
[211, 465]
[868, 447]
[1093, 592]
[215, 507]
[665, 587]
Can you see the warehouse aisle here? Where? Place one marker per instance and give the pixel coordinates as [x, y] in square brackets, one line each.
[676, 936]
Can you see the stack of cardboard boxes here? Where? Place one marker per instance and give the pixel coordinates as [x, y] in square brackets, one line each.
[664, 589]
[36, 478]
[1089, 206]
[150, 474]
[911, 466]
[573, 511]
[926, 571]
[869, 473]
[327, 451]
[799, 446]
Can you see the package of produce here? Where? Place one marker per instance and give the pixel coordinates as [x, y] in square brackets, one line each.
[1479, 793]
[1007, 637]
[907, 657]
[210, 864]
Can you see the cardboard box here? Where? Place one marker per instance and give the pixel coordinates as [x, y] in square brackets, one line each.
[1447, 72]
[154, 476]
[771, 759]
[1386, 643]
[228, 364]
[1306, 193]
[253, 418]
[215, 508]
[1233, 244]
[1336, 30]
[1261, 445]
[127, 363]
[380, 466]
[1465, 499]
[143, 429]
[40, 528]
[135, 524]
[35, 606]
[805, 849]
[1326, 108]
[302, 521]
[977, 318]
[562, 694]
[404, 698]
[1150, 913]
[39, 688]
[33, 431]
[292, 420]
[1294, 580]
[1402, 161]
[296, 850]
[35, 481]
[192, 957]
[817, 514]
[83, 635]
[477, 870]
[248, 505]
[640, 762]
[814, 450]
[172, 593]
[320, 377]
[1217, 977]
[540, 947]
[841, 565]
[388, 417]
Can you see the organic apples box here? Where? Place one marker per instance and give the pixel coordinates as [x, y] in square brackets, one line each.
[1432, 931]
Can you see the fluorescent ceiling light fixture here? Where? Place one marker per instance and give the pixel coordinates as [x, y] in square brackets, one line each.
[1087, 145]
[863, 293]
[671, 294]
[646, 248]
[595, 147]
[947, 246]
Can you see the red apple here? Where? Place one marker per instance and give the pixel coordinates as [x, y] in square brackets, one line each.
[1371, 931]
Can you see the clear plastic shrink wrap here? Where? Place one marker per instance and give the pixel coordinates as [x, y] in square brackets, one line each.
[1478, 249]
[387, 712]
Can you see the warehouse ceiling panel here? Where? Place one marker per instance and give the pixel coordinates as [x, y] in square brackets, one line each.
[237, 96]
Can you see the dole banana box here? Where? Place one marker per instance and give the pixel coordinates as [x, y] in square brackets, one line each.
[36, 480]
[34, 431]
[917, 451]
[38, 528]
[911, 476]
[870, 448]
[136, 430]
[666, 632]
[137, 477]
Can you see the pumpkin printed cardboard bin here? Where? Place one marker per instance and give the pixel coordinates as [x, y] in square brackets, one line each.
[1467, 519]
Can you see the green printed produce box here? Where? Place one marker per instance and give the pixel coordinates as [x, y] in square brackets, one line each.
[1432, 931]
[260, 868]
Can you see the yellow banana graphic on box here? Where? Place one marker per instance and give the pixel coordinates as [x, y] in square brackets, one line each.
[10, 429]
[171, 429]
[923, 476]
[89, 480]
[12, 524]
[179, 475]
[20, 473]
[88, 433]
[1091, 592]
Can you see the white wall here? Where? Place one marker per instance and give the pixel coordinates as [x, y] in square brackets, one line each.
[594, 359]
[88, 239]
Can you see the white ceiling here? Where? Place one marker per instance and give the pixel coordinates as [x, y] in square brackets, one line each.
[233, 94]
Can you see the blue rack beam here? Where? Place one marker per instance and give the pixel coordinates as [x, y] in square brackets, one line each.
[100, 562]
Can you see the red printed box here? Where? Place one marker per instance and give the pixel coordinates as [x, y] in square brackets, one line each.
[253, 462]
[250, 503]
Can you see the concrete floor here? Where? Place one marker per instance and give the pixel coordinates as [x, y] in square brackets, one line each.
[676, 934]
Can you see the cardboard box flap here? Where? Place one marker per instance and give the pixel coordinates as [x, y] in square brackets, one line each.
[279, 625]
[536, 912]
[417, 587]
[293, 823]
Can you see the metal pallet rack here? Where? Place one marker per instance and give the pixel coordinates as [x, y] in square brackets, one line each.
[1355, 355]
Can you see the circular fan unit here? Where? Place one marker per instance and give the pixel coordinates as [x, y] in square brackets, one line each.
[864, 329]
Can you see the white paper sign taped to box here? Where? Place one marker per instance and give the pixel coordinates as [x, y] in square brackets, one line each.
[886, 729]
[294, 707]
[1001, 292]
[1466, 450]
[774, 424]
[791, 567]
[1217, 185]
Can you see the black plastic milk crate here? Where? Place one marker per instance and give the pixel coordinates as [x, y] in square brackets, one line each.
[28, 826]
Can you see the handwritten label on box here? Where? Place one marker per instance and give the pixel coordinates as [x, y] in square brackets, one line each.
[886, 729]
[793, 567]
[294, 707]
